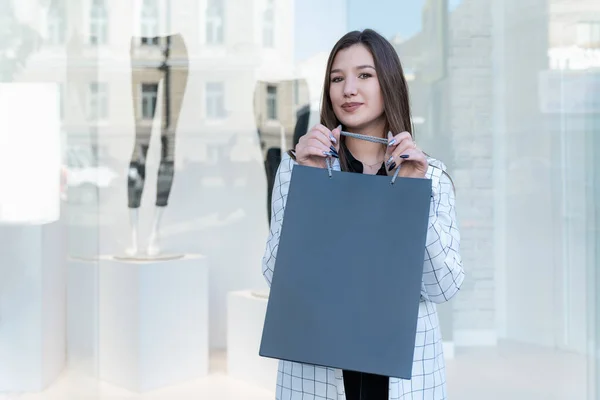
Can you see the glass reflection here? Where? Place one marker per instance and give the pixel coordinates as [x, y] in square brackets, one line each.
[506, 92]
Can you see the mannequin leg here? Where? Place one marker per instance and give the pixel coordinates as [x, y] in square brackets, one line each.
[154, 242]
[135, 187]
[166, 171]
[175, 82]
[137, 167]
[132, 250]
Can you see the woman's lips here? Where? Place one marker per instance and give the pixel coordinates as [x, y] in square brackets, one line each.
[350, 107]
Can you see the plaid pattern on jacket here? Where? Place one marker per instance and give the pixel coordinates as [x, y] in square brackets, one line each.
[442, 278]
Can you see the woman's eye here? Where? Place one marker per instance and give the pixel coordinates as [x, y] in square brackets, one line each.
[336, 79]
[365, 75]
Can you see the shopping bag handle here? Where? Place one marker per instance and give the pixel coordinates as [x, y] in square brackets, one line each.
[362, 137]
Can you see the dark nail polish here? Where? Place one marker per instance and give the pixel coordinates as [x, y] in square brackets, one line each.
[391, 167]
[389, 160]
[334, 155]
[334, 151]
[404, 156]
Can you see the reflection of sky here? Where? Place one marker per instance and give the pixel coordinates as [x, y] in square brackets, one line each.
[388, 17]
[452, 4]
[320, 23]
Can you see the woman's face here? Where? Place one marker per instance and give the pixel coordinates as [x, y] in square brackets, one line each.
[354, 89]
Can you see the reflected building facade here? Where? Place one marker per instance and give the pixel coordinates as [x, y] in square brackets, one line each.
[505, 92]
[109, 95]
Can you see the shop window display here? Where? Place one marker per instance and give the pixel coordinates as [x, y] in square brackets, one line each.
[143, 151]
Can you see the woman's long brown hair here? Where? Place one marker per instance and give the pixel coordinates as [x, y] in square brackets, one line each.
[394, 88]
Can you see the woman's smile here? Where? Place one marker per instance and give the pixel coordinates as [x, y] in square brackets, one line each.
[351, 107]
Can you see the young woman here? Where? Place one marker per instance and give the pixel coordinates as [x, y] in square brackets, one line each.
[365, 92]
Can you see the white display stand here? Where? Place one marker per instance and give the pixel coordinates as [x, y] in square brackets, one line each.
[32, 306]
[245, 318]
[82, 316]
[153, 321]
[30, 152]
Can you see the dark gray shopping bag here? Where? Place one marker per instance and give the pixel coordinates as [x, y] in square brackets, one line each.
[346, 286]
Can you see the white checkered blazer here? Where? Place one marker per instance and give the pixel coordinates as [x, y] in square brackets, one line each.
[442, 278]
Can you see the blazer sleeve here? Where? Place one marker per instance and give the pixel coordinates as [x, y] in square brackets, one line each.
[443, 272]
[278, 200]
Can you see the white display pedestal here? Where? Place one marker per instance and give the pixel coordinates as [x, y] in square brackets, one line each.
[153, 322]
[30, 152]
[32, 306]
[245, 318]
[82, 316]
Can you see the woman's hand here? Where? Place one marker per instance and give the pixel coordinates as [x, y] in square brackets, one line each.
[403, 151]
[316, 145]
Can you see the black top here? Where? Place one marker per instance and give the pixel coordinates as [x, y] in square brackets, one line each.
[355, 165]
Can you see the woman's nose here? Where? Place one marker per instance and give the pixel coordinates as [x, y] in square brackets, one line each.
[350, 87]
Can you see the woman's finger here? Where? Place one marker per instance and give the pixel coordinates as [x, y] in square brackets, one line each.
[318, 143]
[318, 151]
[396, 140]
[398, 153]
[336, 133]
[317, 138]
[407, 152]
[324, 134]
[312, 146]
[416, 156]
[402, 148]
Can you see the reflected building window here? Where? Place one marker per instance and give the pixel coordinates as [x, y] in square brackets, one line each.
[588, 34]
[214, 22]
[98, 101]
[272, 102]
[149, 98]
[56, 28]
[98, 23]
[150, 21]
[269, 25]
[215, 100]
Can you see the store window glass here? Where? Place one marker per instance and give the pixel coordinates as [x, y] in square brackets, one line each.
[56, 23]
[138, 154]
[269, 24]
[98, 23]
[214, 22]
[150, 21]
[215, 100]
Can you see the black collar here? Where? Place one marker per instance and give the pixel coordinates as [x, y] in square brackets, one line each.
[355, 165]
